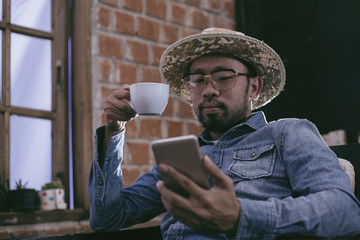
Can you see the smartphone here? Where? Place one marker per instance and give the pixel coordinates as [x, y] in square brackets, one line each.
[183, 154]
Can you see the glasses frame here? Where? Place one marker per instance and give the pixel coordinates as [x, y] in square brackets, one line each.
[186, 79]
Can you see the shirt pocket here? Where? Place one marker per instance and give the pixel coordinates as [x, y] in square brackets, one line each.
[254, 162]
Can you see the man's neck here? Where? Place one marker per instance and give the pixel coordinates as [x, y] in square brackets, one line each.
[215, 136]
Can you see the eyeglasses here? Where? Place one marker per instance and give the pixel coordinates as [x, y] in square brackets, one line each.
[221, 79]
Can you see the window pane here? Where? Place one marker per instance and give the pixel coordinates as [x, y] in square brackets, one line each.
[30, 151]
[30, 72]
[32, 14]
[1, 8]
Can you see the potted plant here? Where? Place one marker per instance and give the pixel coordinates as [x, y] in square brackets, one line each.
[4, 189]
[52, 196]
[22, 198]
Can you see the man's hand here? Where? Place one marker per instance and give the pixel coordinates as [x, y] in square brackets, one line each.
[117, 109]
[213, 210]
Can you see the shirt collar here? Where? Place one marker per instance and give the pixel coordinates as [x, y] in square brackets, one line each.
[255, 122]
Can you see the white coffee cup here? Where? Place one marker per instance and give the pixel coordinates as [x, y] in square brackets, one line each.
[149, 99]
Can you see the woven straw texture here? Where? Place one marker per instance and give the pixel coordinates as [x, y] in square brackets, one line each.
[175, 61]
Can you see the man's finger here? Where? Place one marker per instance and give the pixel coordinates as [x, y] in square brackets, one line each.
[183, 181]
[122, 93]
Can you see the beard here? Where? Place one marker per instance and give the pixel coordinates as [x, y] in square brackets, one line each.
[222, 122]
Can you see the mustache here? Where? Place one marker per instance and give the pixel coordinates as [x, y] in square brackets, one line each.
[212, 103]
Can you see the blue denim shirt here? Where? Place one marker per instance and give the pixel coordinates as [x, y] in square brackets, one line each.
[285, 177]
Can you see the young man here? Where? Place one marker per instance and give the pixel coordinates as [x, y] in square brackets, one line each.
[268, 179]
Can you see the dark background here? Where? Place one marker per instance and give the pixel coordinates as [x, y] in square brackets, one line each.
[319, 42]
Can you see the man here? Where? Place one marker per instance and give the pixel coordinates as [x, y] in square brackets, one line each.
[268, 179]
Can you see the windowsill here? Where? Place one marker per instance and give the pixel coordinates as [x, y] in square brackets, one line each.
[34, 217]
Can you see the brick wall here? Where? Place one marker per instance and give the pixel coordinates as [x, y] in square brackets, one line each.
[129, 37]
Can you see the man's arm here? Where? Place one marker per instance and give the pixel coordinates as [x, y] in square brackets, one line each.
[117, 112]
[111, 207]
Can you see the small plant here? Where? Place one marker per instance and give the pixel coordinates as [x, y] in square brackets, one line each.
[20, 185]
[22, 198]
[52, 185]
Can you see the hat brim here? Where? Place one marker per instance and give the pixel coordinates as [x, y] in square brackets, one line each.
[175, 60]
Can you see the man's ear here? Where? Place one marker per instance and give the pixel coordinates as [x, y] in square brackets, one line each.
[255, 86]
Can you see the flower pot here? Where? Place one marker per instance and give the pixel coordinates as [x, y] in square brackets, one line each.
[22, 200]
[52, 199]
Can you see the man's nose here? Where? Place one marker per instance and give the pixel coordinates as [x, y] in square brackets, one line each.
[210, 88]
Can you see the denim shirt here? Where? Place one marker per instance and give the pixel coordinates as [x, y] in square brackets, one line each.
[286, 179]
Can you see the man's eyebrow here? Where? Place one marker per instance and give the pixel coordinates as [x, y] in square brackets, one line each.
[218, 68]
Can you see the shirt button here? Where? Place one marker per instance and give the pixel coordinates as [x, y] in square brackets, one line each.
[100, 182]
[253, 154]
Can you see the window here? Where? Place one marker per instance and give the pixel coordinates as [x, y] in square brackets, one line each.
[33, 92]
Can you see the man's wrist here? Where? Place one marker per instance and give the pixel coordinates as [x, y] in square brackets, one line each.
[115, 126]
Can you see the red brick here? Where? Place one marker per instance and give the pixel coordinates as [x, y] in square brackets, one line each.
[178, 13]
[130, 174]
[156, 8]
[170, 33]
[150, 74]
[229, 8]
[219, 21]
[150, 128]
[104, 17]
[105, 70]
[110, 2]
[184, 110]
[214, 5]
[157, 51]
[169, 110]
[135, 5]
[200, 19]
[124, 23]
[138, 51]
[174, 128]
[138, 153]
[224, 22]
[26, 233]
[110, 46]
[127, 73]
[194, 2]
[149, 29]
[103, 120]
[147, 169]
[187, 32]
[194, 128]
[131, 129]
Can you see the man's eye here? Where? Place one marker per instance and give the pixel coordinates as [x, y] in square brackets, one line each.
[197, 79]
[223, 78]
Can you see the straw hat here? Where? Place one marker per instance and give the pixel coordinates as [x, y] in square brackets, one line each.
[175, 60]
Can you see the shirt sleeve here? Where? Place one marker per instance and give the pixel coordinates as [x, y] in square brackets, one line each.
[323, 203]
[112, 207]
